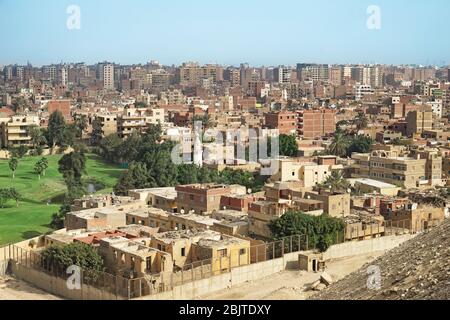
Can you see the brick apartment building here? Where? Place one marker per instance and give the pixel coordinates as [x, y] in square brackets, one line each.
[285, 122]
[200, 198]
[313, 124]
[62, 106]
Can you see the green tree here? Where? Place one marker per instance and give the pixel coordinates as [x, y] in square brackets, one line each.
[4, 197]
[321, 231]
[79, 254]
[288, 145]
[136, 177]
[38, 169]
[81, 124]
[72, 166]
[97, 133]
[109, 148]
[22, 150]
[188, 174]
[336, 182]
[36, 135]
[360, 144]
[339, 145]
[361, 121]
[15, 195]
[56, 129]
[13, 164]
[44, 164]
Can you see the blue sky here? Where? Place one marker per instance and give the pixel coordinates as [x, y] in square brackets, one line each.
[261, 32]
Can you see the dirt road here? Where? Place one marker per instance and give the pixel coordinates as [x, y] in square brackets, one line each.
[291, 285]
[13, 289]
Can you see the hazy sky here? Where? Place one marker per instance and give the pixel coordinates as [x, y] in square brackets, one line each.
[261, 32]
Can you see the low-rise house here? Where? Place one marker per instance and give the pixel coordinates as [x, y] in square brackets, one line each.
[133, 259]
[96, 218]
[203, 199]
[335, 204]
[365, 185]
[162, 198]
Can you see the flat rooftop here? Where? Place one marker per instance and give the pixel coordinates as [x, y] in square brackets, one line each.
[169, 192]
[374, 183]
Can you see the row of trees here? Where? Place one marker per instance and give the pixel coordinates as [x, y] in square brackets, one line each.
[322, 231]
[150, 164]
[344, 145]
[39, 168]
[72, 166]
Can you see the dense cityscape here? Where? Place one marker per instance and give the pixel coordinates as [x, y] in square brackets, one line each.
[363, 156]
[224, 159]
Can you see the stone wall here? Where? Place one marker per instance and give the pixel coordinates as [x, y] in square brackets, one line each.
[192, 290]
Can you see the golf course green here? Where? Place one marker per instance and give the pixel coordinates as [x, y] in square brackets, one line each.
[40, 199]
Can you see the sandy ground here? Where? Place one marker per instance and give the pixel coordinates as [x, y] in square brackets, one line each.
[291, 284]
[286, 285]
[13, 289]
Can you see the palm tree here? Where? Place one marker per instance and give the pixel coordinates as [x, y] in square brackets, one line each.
[339, 145]
[206, 121]
[336, 182]
[361, 121]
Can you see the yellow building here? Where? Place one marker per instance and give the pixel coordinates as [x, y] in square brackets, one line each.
[15, 131]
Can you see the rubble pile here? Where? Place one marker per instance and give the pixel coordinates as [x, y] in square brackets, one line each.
[321, 284]
[417, 270]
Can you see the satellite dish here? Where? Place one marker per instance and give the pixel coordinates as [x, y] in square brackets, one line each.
[182, 211]
[249, 191]
[224, 208]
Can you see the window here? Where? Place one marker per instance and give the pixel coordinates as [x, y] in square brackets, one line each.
[242, 251]
[222, 253]
[191, 197]
[183, 252]
[148, 264]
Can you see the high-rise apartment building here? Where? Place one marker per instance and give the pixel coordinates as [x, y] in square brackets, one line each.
[315, 72]
[107, 75]
[192, 74]
[336, 76]
[282, 74]
[233, 76]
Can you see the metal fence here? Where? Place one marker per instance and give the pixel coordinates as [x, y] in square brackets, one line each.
[125, 288]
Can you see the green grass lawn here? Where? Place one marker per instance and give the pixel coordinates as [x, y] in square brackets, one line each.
[33, 215]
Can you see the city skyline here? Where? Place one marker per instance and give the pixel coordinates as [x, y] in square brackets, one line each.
[225, 33]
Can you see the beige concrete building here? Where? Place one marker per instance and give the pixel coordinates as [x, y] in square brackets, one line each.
[419, 121]
[108, 122]
[409, 172]
[309, 173]
[15, 131]
[133, 259]
[162, 198]
[365, 185]
[334, 204]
